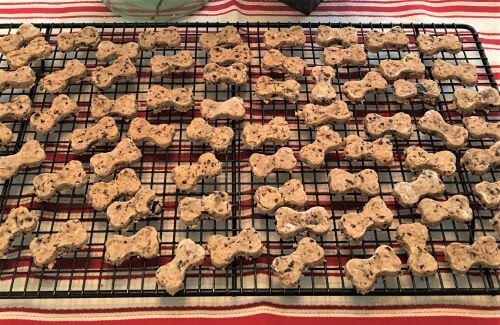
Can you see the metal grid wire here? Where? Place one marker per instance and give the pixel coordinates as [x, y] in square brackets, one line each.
[84, 273]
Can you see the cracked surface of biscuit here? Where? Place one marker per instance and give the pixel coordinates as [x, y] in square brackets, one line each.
[171, 276]
[313, 155]
[160, 98]
[268, 89]
[443, 162]
[327, 36]
[71, 41]
[216, 206]
[426, 184]
[109, 51]
[289, 268]
[376, 41]
[290, 66]
[479, 128]
[144, 244]
[223, 250]
[356, 90]
[400, 125]
[363, 273]
[277, 38]
[167, 37]
[342, 182]
[268, 199]
[218, 138]
[315, 116]
[226, 56]
[121, 69]
[456, 208]
[406, 91]
[263, 165]
[480, 161]
[62, 107]
[228, 36]
[102, 194]
[338, 56]
[30, 154]
[71, 176]
[484, 251]
[104, 131]
[488, 194]
[165, 65]
[290, 223]
[430, 45]
[413, 237]
[235, 74]
[124, 106]
[276, 132]
[22, 78]
[433, 123]
[233, 109]
[72, 236]
[469, 101]
[380, 150]
[410, 66]
[465, 73]
[186, 177]
[57, 82]
[35, 50]
[374, 215]
[125, 153]
[17, 109]
[141, 131]
[19, 221]
[323, 92]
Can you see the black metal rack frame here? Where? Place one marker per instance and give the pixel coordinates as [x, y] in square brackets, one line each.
[84, 273]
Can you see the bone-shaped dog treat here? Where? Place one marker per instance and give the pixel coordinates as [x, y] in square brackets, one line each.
[291, 67]
[62, 107]
[233, 109]
[410, 66]
[427, 90]
[313, 155]
[124, 213]
[6, 135]
[25, 33]
[468, 101]
[479, 161]
[121, 69]
[326, 36]
[17, 109]
[453, 136]
[22, 78]
[465, 73]
[218, 138]
[141, 131]
[375, 215]
[433, 212]
[20, 221]
[165, 65]
[268, 89]
[216, 205]
[268, 199]
[224, 56]
[71, 176]
[104, 131]
[343, 182]
[479, 128]
[37, 49]
[101, 194]
[337, 56]
[399, 124]
[376, 41]
[290, 223]
[356, 90]
[30, 154]
[160, 98]
[109, 51]
[223, 250]
[57, 82]
[125, 153]
[124, 106]
[87, 37]
[289, 268]
[47, 248]
[363, 273]
[234, 74]
[495, 222]
[293, 36]
[185, 177]
[226, 37]
[262, 165]
[187, 255]
[484, 251]
[316, 115]
[276, 132]
[427, 183]
[488, 193]
[442, 162]
[167, 37]
[431, 45]
[379, 150]
[323, 92]
[120, 248]
[412, 237]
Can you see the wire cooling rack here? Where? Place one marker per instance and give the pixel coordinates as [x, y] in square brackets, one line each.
[84, 273]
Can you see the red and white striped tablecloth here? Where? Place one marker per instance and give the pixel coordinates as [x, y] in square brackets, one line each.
[483, 15]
